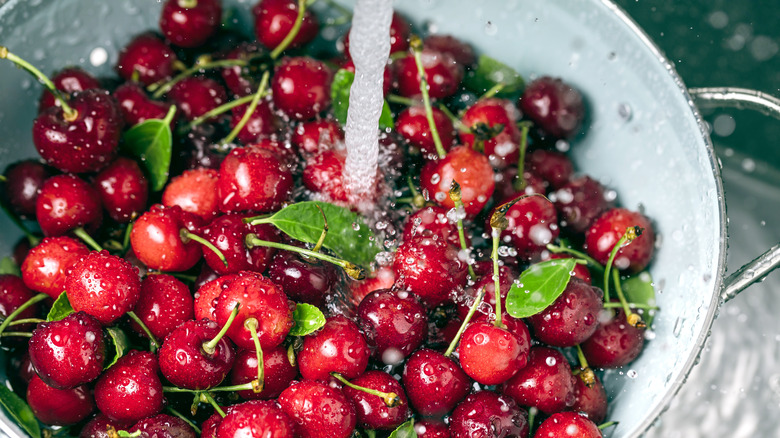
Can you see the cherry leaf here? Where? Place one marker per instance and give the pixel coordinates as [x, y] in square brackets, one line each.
[489, 73]
[538, 287]
[151, 142]
[118, 343]
[60, 309]
[20, 411]
[639, 289]
[8, 266]
[339, 93]
[405, 430]
[308, 319]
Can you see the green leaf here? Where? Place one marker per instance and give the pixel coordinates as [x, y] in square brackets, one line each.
[118, 343]
[151, 142]
[405, 430]
[489, 73]
[8, 266]
[639, 289]
[339, 93]
[308, 319]
[538, 287]
[348, 235]
[20, 411]
[60, 309]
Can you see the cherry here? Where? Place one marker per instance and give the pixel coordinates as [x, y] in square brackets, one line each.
[400, 31]
[47, 265]
[571, 318]
[260, 299]
[210, 426]
[70, 80]
[14, 293]
[163, 426]
[608, 228]
[491, 355]
[532, 224]
[487, 414]
[278, 373]
[195, 96]
[256, 419]
[431, 428]
[130, 390]
[59, 407]
[430, 268]
[23, 183]
[274, 19]
[382, 278]
[316, 135]
[470, 169]
[434, 383]
[284, 150]
[123, 189]
[163, 304]
[590, 400]
[195, 191]
[148, 57]
[553, 167]
[441, 70]
[304, 281]
[412, 124]
[69, 352]
[67, 202]
[459, 50]
[324, 174]
[190, 23]
[506, 276]
[395, 323]
[253, 179]
[136, 107]
[98, 427]
[207, 295]
[337, 347]
[21, 249]
[499, 117]
[506, 181]
[262, 122]
[318, 410]
[372, 411]
[189, 360]
[157, 242]
[432, 222]
[554, 105]
[239, 79]
[615, 342]
[567, 424]
[301, 87]
[580, 202]
[545, 383]
[84, 140]
[227, 234]
[103, 285]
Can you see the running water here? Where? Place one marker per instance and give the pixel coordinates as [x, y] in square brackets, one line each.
[369, 46]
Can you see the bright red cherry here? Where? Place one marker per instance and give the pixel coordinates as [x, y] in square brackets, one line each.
[430, 268]
[372, 411]
[98, 427]
[412, 124]
[471, 169]
[432, 222]
[163, 426]
[444, 74]
[318, 410]
[185, 361]
[545, 383]
[615, 342]
[532, 224]
[278, 372]
[163, 304]
[195, 191]
[207, 296]
[606, 231]
[190, 23]
[499, 117]
[227, 233]
[301, 87]
[571, 318]
[487, 414]
[395, 323]
[567, 425]
[462, 52]
[130, 390]
[70, 80]
[67, 202]
[431, 428]
[274, 19]
[324, 174]
[253, 179]
[337, 347]
[59, 407]
[554, 105]
[123, 189]
[491, 355]
[239, 79]
[317, 135]
[195, 96]
[434, 383]
[48, 265]
[580, 202]
[148, 57]
[157, 242]
[256, 419]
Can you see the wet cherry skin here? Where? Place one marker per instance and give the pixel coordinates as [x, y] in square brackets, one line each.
[67, 202]
[148, 57]
[186, 364]
[47, 266]
[318, 410]
[123, 189]
[163, 304]
[487, 414]
[190, 25]
[545, 383]
[163, 426]
[471, 169]
[278, 373]
[434, 383]
[130, 390]
[256, 419]
[491, 355]
[608, 228]
[371, 410]
[59, 407]
[337, 347]
[275, 18]
[566, 425]
[395, 323]
[571, 318]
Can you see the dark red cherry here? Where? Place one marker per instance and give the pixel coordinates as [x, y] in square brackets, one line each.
[278, 372]
[48, 264]
[69, 352]
[14, 293]
[274, 19]
[85, 143]
[103, 285]
[400, 31]
[195, 96]
[67, 202]
[253, 179]
[434, 383]
[471, 169]
[606, 231]
[580, 202]
[615, 343]
[487, 414]
[395, 323]
[442, 71]
[239, 79]
[338, 347]
[163, 304]
[431, 428]
[163, 426]
[148, 57]
[571, 318]
[412, 124]
[256, 419]
[70, 80]
[262, 122]
[432, 222]
[157, 242]
[430, 268]
[317, 135]
[554, 105]
[567, 425]
[318, 410]
[545, 383]
[499, 117]
[590, 400]
[98, 427]
[304, 281]
[123, 189]
[186, 363]
[130, 390]
[553, 167]
[135, 105]
[195, 191]
[23, 183]
[532, 224]
[505, 185]
[491, 355]
[371, 410]
[227, 234]
[190, 23]
[301, 87]
[462, 52]
[207, 296]
[59, 407]
[209, 427]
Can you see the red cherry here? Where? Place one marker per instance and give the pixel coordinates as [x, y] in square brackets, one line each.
[70, 80]
[371, 410]
[157, 242]
[324, 174]
[262, 122]
[148, 57]
[98, 427]
[571, 318]
[302, 280]
[23, 182]
[545, 383]
[532, 224]
[554, 105]
[163, 304]
[485, 413]
[382, 278]
[123, 189]
[14, 293]
[503, 149]
[195, 191]
[103, 285]
[434, 383]
[432, 222]
[135, 105]
[210, 426]
[400, 31]
[431, 428]
[67, 202]
[580, 202]
[470, 169]
[337, 347]
[190, 23]
[256, 419]
[274, 19]
[163, 426]
[567, 424]
[505, 185]
[301, 87]
[278, 373]
[59, 407]
[130, 390]
[395, 323]
[186, 363]
[462, 52]
[430, 268]
[491, 355]
[318, 410]
[239, 79]
[553, 167]
[49, 264]
[195, 96]
[207, 296]
[590, 400]
[412, 124]
[227, 234]
[606, 231]
[317, 135]
[253, 179]
[444, 74]
[615, 342]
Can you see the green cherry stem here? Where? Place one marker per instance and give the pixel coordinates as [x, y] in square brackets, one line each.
[152, 339]
[495, 233]
[456, 198]
[462, 328]
[251, 324]
[631, 233]
[217, 111]
[20, 334]
[27, 321]
[288, 39]
[532, 411]
[418, 200]
[586, 374]
[3, 178]
[159, 89]
[495, 89]
[10, 318]
[354, 271]
[394, 98]
[187, 4]
[632, 318]
[126, 238]
[248, 114]
[82, 234]
[210, 399]
[183, 418]
[391, 399]
[520, 182]
[607, 424]
[631, 305]
[416, 45]
[591, 262]
[126, 434]
[186, 236]
[324, 233]
[210, 347]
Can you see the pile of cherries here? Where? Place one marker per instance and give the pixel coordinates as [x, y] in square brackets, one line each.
[181, 271]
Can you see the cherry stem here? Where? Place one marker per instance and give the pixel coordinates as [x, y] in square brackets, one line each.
[632, 318]
[21, 334]
[585, 372]
[242, 387]
[217, 111]
[520, 181]
[532, 411]
[324, 233]
[69, 113]
[459, 126]
[578, 254]
[10, 318]
[632, 305]
[416, 45]
[495, 89]
[187, 4]
[185, 419]
[257, 385]
[27, 321]
[159, 89]
[82, 234]
[213, 403]
[391, 399]
[248, 114]
[186, 236]
[462, 328]
[293, 32]
[152, 339]
[3, 178]
[417, 199]
[630, 234]
[456, 198]
[126, 238]
[354, 271]
[496, 235]
[211, 346]
[607, 424]
[31, 238]
[291, 355]
[394, 98]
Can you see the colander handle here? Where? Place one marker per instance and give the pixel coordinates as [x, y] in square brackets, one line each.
[742, 98]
